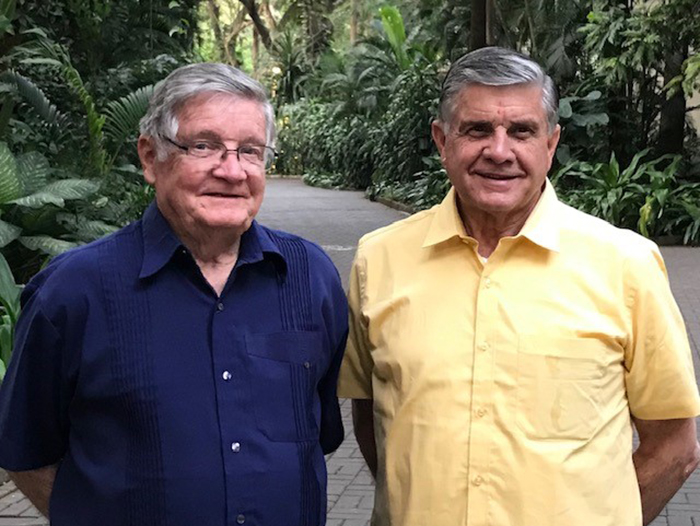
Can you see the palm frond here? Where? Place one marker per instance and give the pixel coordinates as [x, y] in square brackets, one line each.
[10, 186]
[123, 115]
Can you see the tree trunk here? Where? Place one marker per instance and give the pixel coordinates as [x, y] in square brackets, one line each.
[490, 22]
[231, 37]
[672, 123]
[255, 50]
[354, 20]
[261, 28]
[268, 14]
[477, 38]
[215, 17]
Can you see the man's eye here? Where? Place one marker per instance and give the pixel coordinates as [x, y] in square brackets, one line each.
[202, 147]
[252, 151]
[478, 131]
[522, 131]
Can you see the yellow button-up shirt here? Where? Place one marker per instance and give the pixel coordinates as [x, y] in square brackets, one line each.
[503, 389]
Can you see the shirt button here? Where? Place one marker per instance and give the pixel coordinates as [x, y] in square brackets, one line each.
[481, 412]
[219, 306]
[240, 519]
[487, 283]
[307, 364]
[226, 376]
[478, 480]
[236, 447]
[484, 346]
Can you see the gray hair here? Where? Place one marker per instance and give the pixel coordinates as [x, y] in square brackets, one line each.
[172, 93]
[497, 66]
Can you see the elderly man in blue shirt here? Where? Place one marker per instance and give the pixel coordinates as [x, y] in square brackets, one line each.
[182, 371]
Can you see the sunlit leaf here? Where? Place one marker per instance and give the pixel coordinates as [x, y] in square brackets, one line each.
[8, 233]
[10, 187]
[46, 244]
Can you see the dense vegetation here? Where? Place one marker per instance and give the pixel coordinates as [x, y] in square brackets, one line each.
[355, 84]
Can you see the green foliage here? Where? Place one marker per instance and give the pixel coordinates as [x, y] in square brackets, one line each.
[647, 195]
[369, 123]
[290, 59]
[314, 139]
[393, 25]
[583, 120]
[402, 138]
[34, 203]
[427, 187]
[9, 312]
[122, 117]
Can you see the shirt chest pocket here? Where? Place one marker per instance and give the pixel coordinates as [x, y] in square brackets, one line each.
[559, 386]
[283, 369]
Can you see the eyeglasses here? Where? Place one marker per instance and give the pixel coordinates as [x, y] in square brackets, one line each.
[255, 155]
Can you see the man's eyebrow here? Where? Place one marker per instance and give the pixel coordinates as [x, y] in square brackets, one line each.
[206, 134]
[471, 123]
[529, 123]
[211, 135]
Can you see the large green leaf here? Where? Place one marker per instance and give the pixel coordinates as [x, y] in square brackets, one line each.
[33, 170]
[46, 244]
[70, 189]
[7, 8]
[91, 230]
[9, 291]
[123, 115]
[7, 329]
[58, 192]
[8, 233]
[39, 199]
[34, 97]
[10, 187]
[395, 30]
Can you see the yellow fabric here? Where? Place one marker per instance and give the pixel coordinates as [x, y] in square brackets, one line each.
[503, 390]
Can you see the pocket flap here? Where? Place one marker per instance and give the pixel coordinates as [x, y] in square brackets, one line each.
[287, 346]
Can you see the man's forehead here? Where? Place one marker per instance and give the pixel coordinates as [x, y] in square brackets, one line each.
[216, 113]
[516, 99]
[215, 102]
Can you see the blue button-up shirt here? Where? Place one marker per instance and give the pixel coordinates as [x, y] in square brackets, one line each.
[165, 404]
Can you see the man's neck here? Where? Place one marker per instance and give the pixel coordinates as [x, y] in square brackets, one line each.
[489, 229]
[214, 250]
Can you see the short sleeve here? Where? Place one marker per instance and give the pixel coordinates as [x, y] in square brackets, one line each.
[659, 377]
[33, 401]
[356, 371]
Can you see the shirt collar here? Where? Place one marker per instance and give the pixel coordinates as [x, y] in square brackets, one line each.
[541, 227]
[160, 243]
[446, 222]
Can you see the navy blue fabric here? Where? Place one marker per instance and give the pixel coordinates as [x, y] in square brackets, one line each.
[131, 373]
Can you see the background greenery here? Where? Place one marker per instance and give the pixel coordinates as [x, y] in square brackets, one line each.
[355, 84]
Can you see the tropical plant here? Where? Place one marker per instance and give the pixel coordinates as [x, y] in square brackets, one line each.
[647, 195]
[9, 312]
[34, 204]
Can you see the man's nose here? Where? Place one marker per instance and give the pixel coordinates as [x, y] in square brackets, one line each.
[499, 148]
[230, 167]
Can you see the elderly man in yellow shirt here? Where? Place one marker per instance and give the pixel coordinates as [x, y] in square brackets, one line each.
[503, 345]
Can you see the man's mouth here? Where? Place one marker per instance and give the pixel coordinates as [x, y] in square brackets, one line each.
[497, 176]
[222, 195]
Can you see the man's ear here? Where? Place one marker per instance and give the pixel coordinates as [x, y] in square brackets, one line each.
[552, 142]
[436, 127]
[148, 157]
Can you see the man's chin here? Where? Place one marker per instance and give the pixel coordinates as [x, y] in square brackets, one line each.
[236, 222]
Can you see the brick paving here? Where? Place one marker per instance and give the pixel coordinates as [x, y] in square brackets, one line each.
[336, 220]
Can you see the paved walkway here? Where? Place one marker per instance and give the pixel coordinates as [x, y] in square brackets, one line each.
[336, 220]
